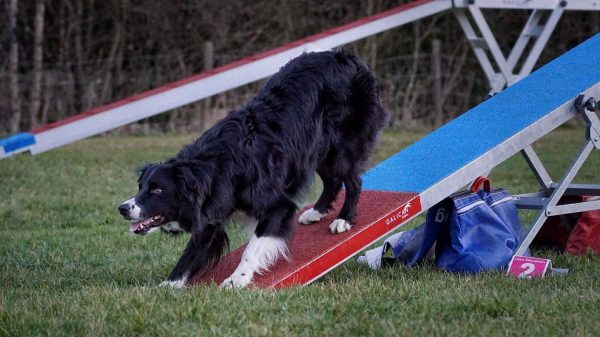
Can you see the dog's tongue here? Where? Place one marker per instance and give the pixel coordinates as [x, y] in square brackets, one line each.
[139, 226]
[135, 226]
[143, 225]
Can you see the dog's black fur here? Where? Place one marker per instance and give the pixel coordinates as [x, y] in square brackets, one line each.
[320, 113]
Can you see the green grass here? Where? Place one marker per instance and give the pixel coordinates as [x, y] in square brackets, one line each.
[70, 267]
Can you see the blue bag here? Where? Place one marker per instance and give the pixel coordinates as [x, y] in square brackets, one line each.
[483, 229]
[408, 247]
[473, 231]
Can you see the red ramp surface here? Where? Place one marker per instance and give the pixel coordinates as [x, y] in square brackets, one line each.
[314, 250]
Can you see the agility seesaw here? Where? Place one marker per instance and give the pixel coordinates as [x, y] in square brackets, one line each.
[406, 184]
[210, 82]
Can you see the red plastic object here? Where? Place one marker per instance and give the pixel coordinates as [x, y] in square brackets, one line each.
[555, 232]
[586, 234]
[481, 181]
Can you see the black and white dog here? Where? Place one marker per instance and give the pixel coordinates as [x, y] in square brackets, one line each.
[320, 113]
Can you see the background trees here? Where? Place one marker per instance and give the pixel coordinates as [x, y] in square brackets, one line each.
[61, 57]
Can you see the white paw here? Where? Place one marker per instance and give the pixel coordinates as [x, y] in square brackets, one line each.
[178, 284]
[339, 226]
[237, 281]
[309, 216]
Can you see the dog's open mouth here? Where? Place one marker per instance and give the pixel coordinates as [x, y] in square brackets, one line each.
[142, 227]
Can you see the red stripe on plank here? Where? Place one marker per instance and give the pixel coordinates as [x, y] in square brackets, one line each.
[314, 250]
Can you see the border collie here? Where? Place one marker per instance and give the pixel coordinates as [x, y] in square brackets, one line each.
[320, 113]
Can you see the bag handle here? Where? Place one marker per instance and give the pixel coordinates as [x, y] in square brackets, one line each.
[476, 185]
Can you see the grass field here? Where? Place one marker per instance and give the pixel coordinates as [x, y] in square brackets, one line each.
[69, 266]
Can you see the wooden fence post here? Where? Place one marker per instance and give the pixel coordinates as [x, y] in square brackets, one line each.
[436, 67]
[13, 68]
[208, 63]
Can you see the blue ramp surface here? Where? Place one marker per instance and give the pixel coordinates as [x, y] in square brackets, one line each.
[487, 125]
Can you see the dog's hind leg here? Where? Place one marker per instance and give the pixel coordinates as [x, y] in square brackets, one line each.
[331, 188]
[268, 244]
[345, 218]
[370, 115]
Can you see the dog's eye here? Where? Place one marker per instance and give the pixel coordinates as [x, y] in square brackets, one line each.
[156, 191]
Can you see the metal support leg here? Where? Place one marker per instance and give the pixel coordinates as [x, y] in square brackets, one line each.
[478, 44]
[550, 208]
[530, 30]
[556, 195]
[538, 169]
[487, 42]
[491, 44]
[540, 42]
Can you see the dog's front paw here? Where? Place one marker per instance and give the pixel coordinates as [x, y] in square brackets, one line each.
[339, 226]
[177, 284]
[237, 281]
[309, 216]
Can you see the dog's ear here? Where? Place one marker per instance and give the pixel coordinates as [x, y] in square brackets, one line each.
[195, 180]
[145, 169]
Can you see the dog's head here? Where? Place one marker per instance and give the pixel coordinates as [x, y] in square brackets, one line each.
[168, 198]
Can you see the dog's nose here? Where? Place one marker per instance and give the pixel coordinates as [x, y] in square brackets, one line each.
[124, 208]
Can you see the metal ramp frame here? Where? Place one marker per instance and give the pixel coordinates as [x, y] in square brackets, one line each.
[547, 199]
[247, 70]
[536, 30]
[532, 29]
[423, 174]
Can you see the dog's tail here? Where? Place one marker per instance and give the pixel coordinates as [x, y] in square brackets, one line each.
[368, 113]
[365, 99]
[364, 93]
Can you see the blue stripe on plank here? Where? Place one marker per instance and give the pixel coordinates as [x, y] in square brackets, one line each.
[487, 125]
[18, 141]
